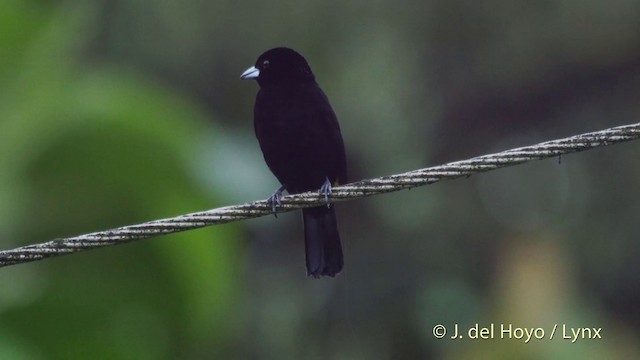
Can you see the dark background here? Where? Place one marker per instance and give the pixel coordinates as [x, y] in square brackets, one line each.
[118, 112]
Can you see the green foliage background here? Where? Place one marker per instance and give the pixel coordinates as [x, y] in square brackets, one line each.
[118, 112]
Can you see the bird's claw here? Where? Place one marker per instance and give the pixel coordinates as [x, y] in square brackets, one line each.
[275, 200]
[325, 190]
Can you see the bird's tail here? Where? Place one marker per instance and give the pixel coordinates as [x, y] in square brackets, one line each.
[322, 241]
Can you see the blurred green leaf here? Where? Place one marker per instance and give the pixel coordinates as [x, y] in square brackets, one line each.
[88, 148]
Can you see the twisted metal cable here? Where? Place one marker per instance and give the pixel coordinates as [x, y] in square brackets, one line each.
[351, 191]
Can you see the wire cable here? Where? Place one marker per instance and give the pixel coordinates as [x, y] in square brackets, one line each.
[351, 191]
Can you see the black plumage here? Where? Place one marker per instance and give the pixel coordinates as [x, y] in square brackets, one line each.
[300, 139]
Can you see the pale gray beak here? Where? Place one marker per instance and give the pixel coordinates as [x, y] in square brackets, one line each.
[250, 73]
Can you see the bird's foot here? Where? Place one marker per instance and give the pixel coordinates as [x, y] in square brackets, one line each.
[275, 200]
[325, 190]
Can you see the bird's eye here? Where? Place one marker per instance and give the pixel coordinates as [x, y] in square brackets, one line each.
[265, 64]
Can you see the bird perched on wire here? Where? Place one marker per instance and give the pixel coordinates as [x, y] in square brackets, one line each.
[300, 139]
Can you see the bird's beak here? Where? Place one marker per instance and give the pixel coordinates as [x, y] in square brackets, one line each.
[250, 73]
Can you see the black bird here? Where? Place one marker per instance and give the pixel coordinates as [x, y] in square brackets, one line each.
[301, 142]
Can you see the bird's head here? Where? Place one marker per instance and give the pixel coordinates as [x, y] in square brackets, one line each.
[279, 66]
